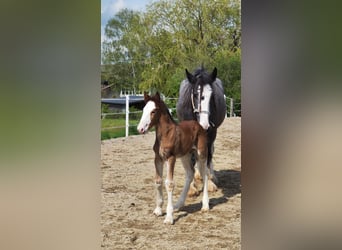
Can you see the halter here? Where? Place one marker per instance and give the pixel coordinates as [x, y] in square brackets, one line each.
[198, 110]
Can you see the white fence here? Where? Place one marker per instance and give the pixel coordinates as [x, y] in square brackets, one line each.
[231, 112]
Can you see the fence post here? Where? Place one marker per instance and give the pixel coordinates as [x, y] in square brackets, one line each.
[231, 107]
[127, 115]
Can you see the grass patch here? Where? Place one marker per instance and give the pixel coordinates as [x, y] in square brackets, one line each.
[113, 126]
[109, 128]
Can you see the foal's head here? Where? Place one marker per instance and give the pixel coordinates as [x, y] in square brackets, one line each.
[201, 93]
[153, 109]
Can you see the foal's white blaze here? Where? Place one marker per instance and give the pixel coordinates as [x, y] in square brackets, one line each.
[146, 117]
[205, 102]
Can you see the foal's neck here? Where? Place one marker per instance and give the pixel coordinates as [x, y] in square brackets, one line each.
[165, 124]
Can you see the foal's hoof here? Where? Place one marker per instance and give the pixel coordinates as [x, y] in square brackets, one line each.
[158, 211]
[211, 186]
[205, 209]
[168, 220]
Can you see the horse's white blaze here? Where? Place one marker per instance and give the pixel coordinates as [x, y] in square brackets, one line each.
[205, 102]
[146, 117]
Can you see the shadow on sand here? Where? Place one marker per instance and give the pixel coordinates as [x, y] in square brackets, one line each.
[229, 181]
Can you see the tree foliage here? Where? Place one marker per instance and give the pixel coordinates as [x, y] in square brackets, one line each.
[151, 50]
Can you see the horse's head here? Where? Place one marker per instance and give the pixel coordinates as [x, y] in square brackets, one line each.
[201, 94]
[150, 114]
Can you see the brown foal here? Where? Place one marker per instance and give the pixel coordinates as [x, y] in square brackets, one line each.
[174, 141]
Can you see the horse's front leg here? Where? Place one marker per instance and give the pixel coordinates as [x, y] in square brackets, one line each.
[212, 181]
[169, 185]
[202, 152]
[202, 162]
[158, 162]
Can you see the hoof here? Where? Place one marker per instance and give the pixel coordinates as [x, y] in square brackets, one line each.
[168, 220]
[178, 206]
[205, 209]
[158, 211]
[193, 190]
[212, 186]
[193, 193]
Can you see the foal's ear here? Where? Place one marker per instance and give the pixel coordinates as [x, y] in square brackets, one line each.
[189, 76]
[214, 74]
[146, 96]
[157, 95]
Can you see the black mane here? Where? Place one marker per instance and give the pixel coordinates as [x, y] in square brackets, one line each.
[202, 77]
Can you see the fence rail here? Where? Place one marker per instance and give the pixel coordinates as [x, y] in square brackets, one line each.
[231, 112]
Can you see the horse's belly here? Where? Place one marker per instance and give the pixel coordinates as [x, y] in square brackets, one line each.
[166, 152]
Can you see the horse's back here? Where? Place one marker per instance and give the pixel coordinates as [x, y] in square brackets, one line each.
[220, 111]
[184, 106]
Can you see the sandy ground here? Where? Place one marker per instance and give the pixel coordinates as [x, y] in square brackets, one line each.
[128, 197]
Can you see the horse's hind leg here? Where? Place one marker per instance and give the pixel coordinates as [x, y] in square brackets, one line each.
[197, 176]
[189, 171]
[193, 185]
[158, 184]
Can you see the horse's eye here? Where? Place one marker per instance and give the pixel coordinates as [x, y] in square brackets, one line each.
[202, 98]
[153, 112]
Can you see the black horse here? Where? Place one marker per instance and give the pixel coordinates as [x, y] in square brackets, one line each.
[201, 98]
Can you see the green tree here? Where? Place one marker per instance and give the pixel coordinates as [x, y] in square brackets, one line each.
[152, 49]
[186, 34]
[121, 49]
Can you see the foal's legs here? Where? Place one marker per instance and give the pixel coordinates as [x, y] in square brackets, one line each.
[158, 162]
[169, 185]
[189, 170]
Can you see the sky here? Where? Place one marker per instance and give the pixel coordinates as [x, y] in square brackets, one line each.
[110, 7]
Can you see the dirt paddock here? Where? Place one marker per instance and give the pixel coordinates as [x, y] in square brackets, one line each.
[128, 197]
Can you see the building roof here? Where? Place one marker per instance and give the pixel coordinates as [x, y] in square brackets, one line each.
[121, 101]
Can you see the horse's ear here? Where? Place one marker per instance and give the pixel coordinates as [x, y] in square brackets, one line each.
[189, 76]
[214, 74]
[146, 96]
